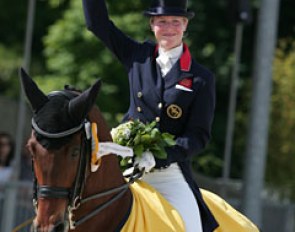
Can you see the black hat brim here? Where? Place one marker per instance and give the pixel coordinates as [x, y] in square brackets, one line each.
[150, 12]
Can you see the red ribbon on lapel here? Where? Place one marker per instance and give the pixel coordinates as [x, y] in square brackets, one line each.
[188, 83]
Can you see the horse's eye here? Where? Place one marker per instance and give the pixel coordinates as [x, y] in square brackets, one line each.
[76, 152]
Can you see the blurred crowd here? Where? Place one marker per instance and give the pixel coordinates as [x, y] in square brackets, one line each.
[6, 157]
[7, 160]
[24, 207]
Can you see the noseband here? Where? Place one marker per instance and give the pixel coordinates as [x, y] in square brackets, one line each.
[74, 194]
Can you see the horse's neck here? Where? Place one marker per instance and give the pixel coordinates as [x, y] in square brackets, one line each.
[108, 176]
[103, 130]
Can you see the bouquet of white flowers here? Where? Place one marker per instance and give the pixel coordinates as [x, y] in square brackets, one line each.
[146, 141]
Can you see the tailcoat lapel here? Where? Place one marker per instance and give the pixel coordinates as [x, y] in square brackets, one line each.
[158, 80]
[180, 70]
[175, 75]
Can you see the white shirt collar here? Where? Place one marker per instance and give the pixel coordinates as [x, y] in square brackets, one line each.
[173, 53]
[167, 59]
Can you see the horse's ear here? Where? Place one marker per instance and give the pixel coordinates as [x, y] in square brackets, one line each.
[81, 105]
[35, 96]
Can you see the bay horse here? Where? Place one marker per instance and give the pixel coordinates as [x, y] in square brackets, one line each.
[70, 196]
[65, 189]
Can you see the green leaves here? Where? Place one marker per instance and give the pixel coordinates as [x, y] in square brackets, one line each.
[138, 150]
[169, 139]
[143, 137]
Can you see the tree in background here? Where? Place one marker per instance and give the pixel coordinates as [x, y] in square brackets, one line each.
[280, 169]
[9, 60]
[12, 36]
[75, 56]
[10, 45]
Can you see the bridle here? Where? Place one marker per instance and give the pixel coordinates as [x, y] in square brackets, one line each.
[74, 194]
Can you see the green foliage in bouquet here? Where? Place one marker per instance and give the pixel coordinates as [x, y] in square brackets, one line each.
[142, 137]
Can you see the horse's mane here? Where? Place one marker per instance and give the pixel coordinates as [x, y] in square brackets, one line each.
[54, 117]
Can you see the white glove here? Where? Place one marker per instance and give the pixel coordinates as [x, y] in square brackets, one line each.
[106, 148]
[146, 161]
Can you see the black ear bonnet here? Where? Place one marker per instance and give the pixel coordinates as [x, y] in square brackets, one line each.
[60, 114]
[54, 118]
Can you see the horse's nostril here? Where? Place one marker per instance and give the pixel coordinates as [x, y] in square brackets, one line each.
[59, 227]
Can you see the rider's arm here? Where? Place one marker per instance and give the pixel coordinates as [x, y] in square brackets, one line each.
[97, 21]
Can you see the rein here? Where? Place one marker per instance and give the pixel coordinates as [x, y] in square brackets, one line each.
[121, 189]
[74, 194]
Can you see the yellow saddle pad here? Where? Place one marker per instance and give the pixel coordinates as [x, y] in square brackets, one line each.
[151, 212]
[229, 219]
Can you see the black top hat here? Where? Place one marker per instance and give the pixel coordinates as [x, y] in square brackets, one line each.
[169, 8]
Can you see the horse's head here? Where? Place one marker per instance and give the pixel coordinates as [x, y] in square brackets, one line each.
[58, 146]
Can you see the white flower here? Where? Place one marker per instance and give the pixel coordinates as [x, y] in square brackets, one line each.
[122, 131]
[114, 133]
[146, 161]
[126, 133]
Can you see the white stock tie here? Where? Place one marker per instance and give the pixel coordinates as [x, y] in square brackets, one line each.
[165, 64]
[167, 59]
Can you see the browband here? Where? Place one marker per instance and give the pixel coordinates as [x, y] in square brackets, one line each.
[56, 135]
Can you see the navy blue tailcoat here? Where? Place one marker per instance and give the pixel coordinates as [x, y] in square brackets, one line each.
[186, 114]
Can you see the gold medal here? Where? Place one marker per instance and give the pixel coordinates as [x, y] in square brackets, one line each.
[174, 111]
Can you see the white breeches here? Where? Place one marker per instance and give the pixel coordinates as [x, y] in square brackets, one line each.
[172, 185]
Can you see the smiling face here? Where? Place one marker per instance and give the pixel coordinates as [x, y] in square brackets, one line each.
[168, 30]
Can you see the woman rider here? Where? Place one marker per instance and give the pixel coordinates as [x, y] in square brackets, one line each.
[169, 86]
